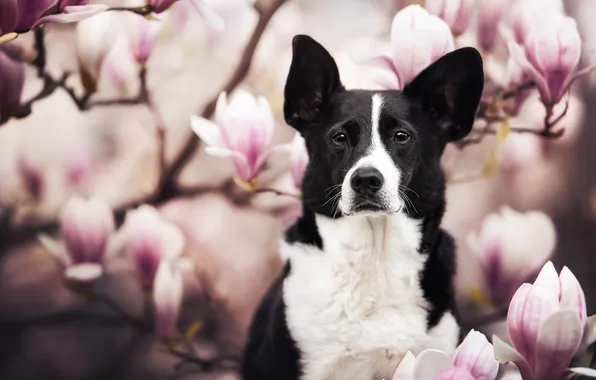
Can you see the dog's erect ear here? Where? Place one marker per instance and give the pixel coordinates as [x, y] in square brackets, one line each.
[312, 79]
[450, 90]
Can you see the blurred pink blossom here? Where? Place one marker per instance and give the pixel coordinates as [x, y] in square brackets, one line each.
[242, 131]
[120, 68]
[550, 56]
[456, 13]
[143, 34]
[32, 177]
[167, 298]
[12, 79]
[150, 240]
[516, 78]
[473, 360]
[298, 159]
[546, 323]
[511, 247]
[211, 18]
[523, 15]
[65, 3]
[490, 13]
[417, 40]
[95, 38]
[85, 227]
[22, 15]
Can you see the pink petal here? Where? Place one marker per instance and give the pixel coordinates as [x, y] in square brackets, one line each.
[87, 272]
[383, 62]
[572, 295]
[9, 16]
[518, 55]
[72, 13]
[265, 156]
[30, 11]
[514, 319]
[558, 340]
[207, 131]
[548, 279]
[476, 355]
[456, 374]
[221, 107]
[167, 298]
[242, 169]
[429, 363]
[55, 248]
[504, 353]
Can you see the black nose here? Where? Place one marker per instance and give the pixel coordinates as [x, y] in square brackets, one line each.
[366, 180]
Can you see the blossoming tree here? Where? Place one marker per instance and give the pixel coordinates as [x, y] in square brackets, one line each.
[532, 51]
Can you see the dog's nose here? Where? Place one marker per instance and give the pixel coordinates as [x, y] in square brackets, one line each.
[366, 180]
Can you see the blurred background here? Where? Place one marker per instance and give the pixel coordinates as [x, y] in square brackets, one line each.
[54, 150]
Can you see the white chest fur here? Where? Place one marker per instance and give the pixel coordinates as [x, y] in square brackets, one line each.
[357, 308]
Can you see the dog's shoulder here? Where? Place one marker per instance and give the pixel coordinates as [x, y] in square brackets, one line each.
[271, 353]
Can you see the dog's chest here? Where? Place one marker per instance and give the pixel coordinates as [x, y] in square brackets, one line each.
[355, 309]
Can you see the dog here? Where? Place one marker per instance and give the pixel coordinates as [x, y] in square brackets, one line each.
[368, 272]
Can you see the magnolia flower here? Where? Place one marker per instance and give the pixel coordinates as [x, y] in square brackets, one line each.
[167, 299]
[516, 78]
[151, 240]
[417, 40]
[12, 79]
[120, 68]
[511, 247]
[473, 360]
[19, 16]
[546, 323]
[490, 13]
[242, 131]
[523, 15]
[456, 13]
[143, 34]
[32, 177]
[298, 159]
[552, 52]
[95, 38]
[85, 227]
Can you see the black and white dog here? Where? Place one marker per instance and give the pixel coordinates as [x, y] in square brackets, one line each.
[369, 272]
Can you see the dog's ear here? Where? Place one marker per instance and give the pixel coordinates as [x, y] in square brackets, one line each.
[450, 91]
[313, 77]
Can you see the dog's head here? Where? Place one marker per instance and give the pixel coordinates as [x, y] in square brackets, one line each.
[378, 151]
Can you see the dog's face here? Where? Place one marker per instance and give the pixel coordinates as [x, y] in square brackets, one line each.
[378, 152]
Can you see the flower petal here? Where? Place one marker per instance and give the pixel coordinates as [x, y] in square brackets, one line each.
[514, 319]
[283, 148]
[476, 355]
[549, 279]
[456, 373]
[584, 371]
[72, 13]
[518, 55]
[243, 170]
[572, 295]
[56, 248]
[504, 353]
[429, 363]
[207, 131]
[86, 272]
[558, 340]
[405, 368]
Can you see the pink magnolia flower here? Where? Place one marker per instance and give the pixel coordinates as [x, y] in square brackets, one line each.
[95, 38]
[85, 227]
[516, 77]
[456, 13]
[417, 40]
[151, 240]
[474, 359]
[143, 34]
[298, 159]
[523, 15]
[511, 247]
[120, 68]
[19, 16]
[490, 13]
[12, 79]
[551, 53]
[167, 298]
[546, 324]
[32, 177]
[242, 131]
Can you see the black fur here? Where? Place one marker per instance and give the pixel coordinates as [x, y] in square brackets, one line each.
[437, 107]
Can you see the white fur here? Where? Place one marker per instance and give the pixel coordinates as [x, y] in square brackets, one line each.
[377, 157]
[357, 308]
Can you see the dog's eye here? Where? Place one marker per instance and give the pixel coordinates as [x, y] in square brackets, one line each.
[339, 138]
[401, 137]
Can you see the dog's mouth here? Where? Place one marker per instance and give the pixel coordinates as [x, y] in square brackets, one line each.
[369, 206]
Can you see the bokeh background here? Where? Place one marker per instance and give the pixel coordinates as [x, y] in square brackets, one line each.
[111, 152]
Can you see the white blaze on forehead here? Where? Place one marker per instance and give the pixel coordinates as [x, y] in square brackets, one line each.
[379, 158]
